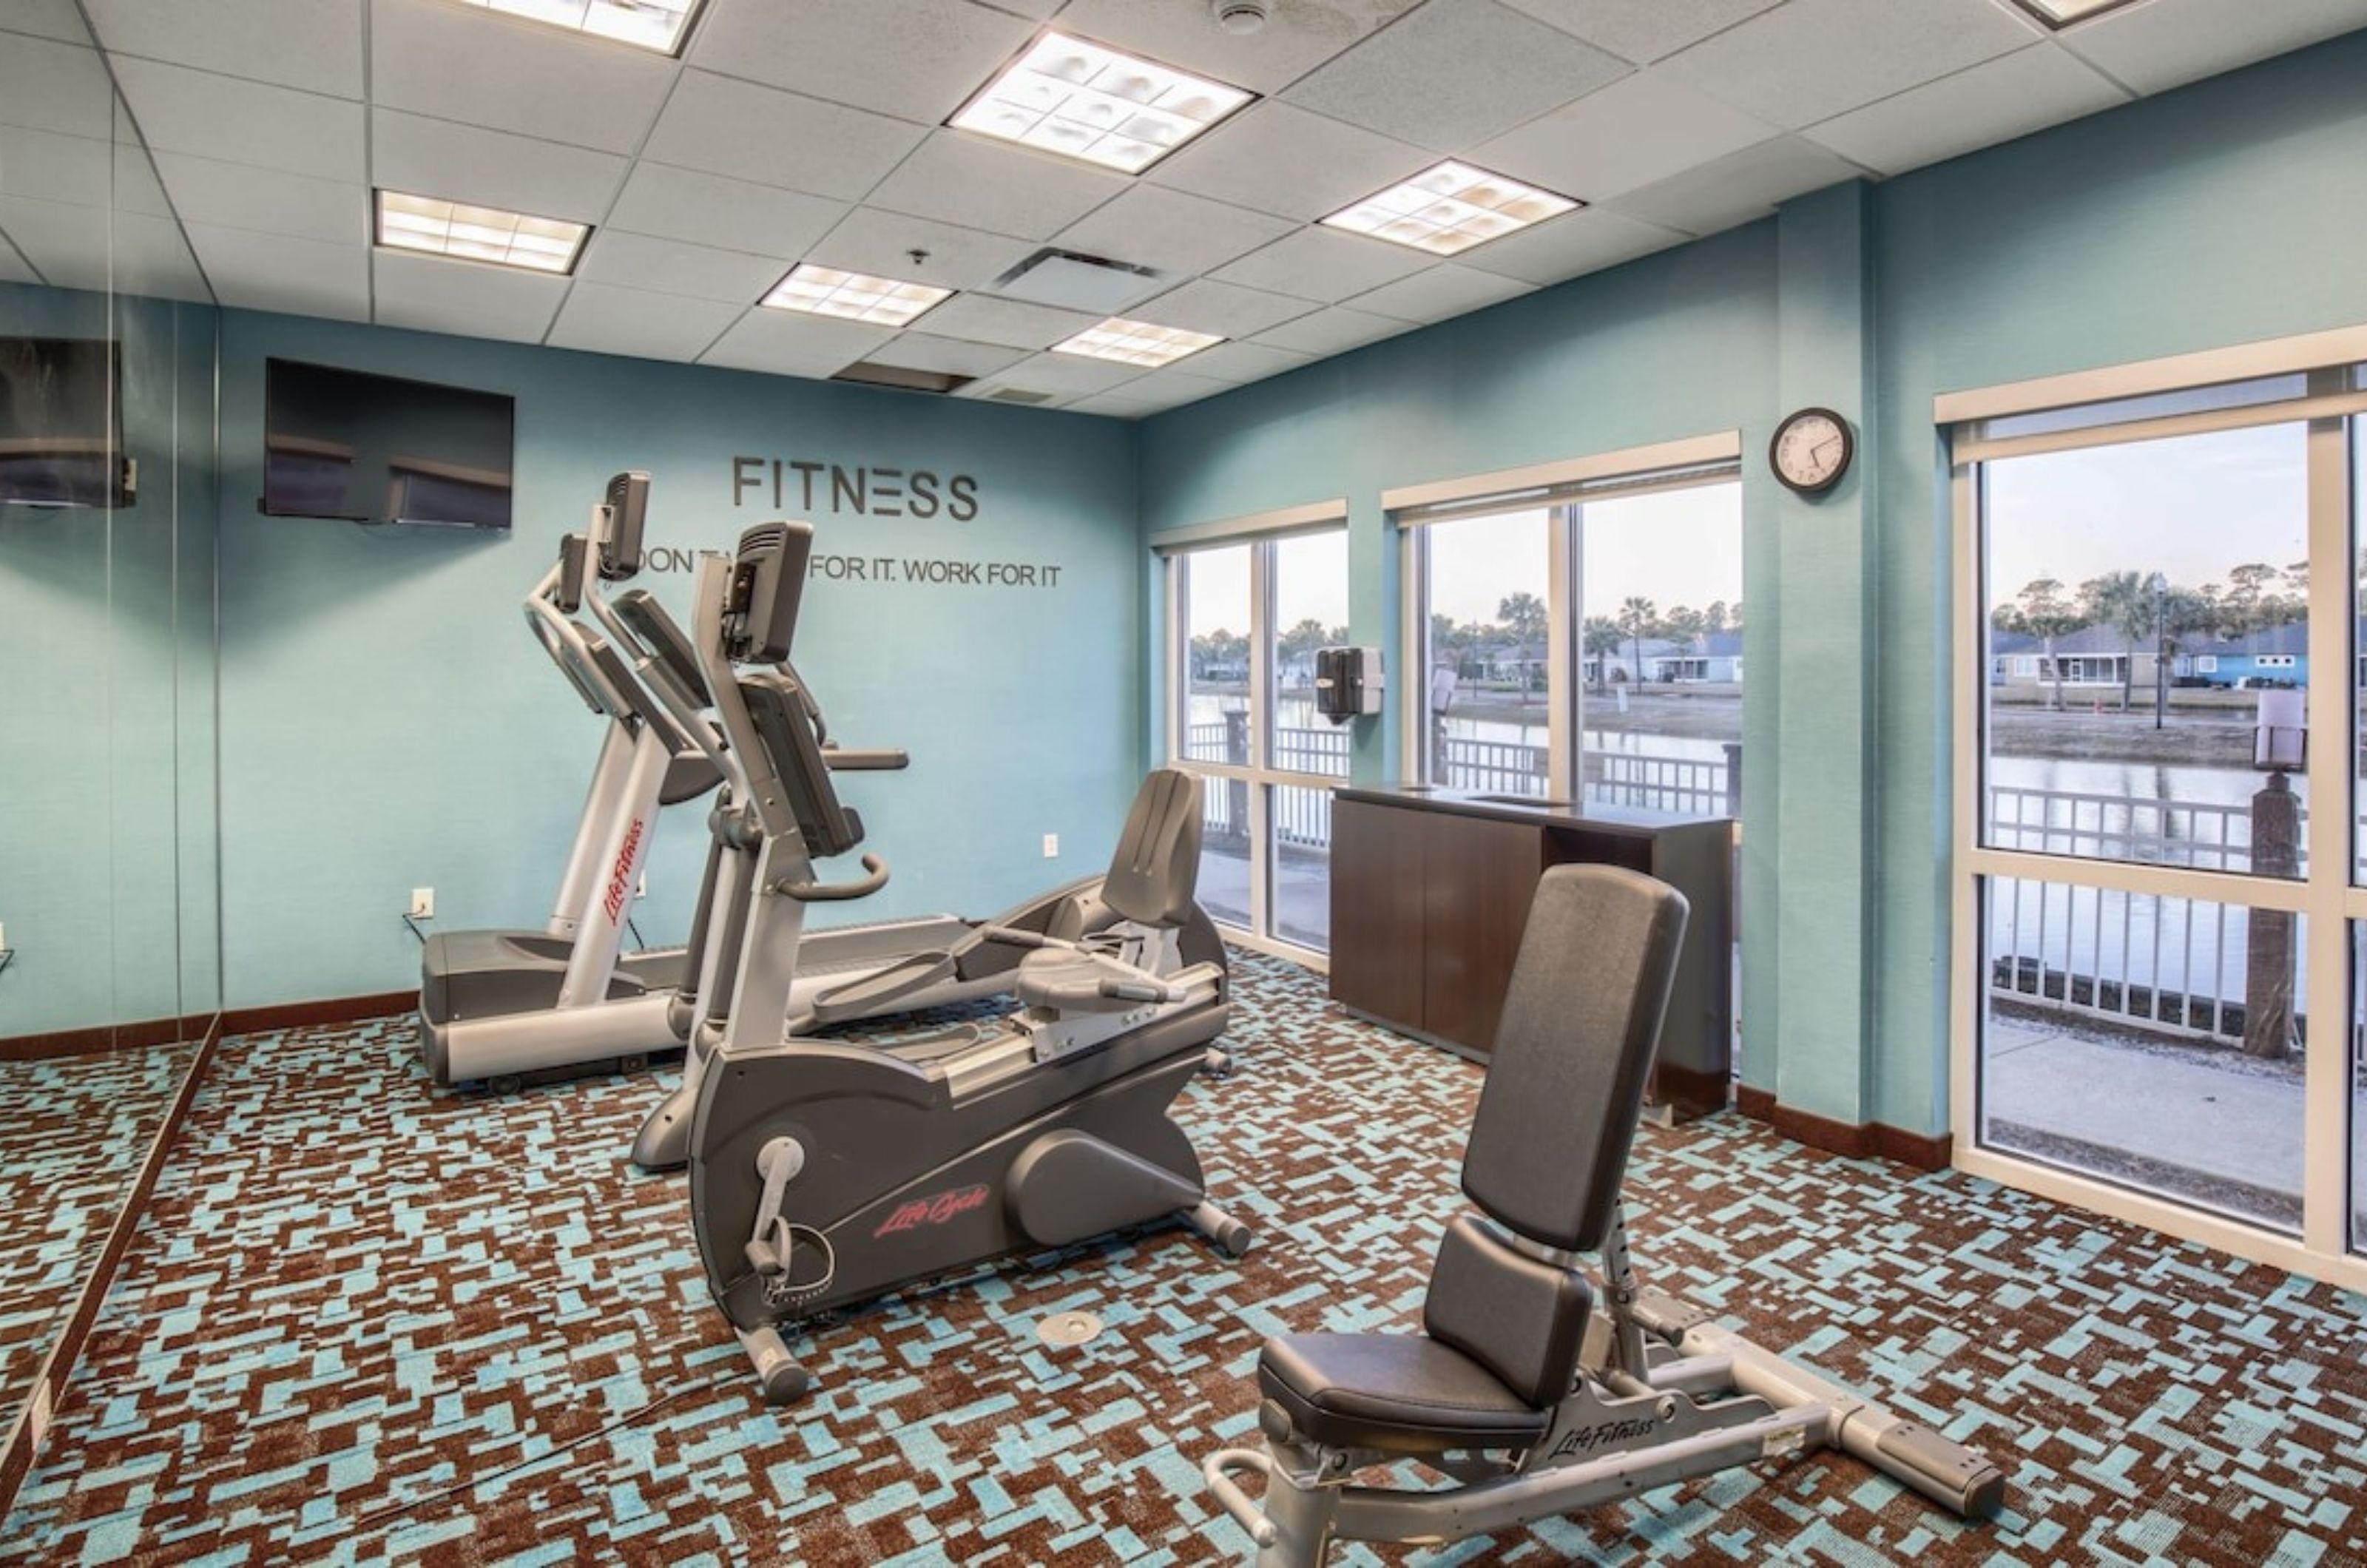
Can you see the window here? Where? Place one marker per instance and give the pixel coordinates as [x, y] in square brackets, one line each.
[2162, 921]
[1581, 637]
[1248, 619]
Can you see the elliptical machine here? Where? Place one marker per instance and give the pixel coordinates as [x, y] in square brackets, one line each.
[824, 1174]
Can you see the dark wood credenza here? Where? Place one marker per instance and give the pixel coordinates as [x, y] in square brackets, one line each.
[1429, 896]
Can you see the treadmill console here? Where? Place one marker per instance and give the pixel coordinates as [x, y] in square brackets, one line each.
[572, 550]
[768, 578]
[627, 503]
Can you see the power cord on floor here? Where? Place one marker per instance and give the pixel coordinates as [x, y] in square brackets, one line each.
[396, 1510]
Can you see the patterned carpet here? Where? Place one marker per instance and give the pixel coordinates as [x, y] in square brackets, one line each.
[72, 1133]
[357, 1294]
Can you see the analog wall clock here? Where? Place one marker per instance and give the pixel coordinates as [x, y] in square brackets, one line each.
[1812, 450]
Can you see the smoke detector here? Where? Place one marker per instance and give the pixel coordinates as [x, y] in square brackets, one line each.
[1242, 18]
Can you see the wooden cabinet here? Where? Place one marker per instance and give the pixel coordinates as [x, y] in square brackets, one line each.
[1430, 898]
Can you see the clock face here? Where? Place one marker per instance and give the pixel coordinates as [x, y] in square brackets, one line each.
[1812, 450]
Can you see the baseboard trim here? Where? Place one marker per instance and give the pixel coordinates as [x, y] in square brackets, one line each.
[319, 1013]
[60, 1042]
[22, 1443]
[1854, 1140]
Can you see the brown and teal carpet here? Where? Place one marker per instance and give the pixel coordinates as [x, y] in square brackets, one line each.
[370, 1321]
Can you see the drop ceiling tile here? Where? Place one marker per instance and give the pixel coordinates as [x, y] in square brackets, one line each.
[1642, 129]
[918, 351]
[1154, 394]
[600, 319]
[2166, 44]
[1334, 331]
[465, 163]
[151, 258]
[670, 267]
[1643, 30]
[1810, 59]
[1168, 231]
[1300, 35]
[1737, 189]
[137, 188]
[1036, 9]
[14, 268]
[312, 44]
[1995, 101]
[732, 215]
[55, 86]
[1325, 265]
[1282, 159]
[1063, 374]
[1455, 73]
[957, 177]
[67, 241]
[919, 59]
[433, 294]
[790, 342]
[1013, 323]
[480, 67]
[1445, 290]
[1243, 362]
[48, 166]
[1571, 245]
[181, 110]
[727, 127]
[882, 243]
[58, 19]
[254, 271]
[1228, 309]
[238, 196]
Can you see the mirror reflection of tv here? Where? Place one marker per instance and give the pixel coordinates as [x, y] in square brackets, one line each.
[62, 424]
[346, 443]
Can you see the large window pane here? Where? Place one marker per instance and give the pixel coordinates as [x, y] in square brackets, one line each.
[1310, 612]
[1302, 865]
[1488, 599]
[1216, 587]
[2146, 607]
[2152, 1041]
[1225, 850]
[1661, 646]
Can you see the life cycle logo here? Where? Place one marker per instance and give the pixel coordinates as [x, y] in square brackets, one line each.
[933, 1210]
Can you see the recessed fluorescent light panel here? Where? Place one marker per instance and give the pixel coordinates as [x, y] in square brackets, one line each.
[1135, 343]
[657, 25]
[2063, 13]
[1451, 208]
[478, 233]
[850, 296]
[1084, 101]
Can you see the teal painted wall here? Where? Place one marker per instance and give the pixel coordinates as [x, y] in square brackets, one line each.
[107, 846]
[389, 722]
[2231, 210]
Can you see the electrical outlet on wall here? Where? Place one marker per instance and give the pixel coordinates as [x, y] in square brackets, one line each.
[642, 888]
[1051, 846]
[423, 902]
[4, 939]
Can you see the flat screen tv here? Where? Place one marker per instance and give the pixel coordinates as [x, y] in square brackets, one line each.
[378, 449]
[61, 423]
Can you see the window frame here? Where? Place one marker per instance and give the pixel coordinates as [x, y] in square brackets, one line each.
[2330, 900]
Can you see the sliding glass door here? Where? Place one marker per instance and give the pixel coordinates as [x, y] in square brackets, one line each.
[1247, 619]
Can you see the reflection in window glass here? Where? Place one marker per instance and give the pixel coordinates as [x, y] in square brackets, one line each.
[1302, 865]
[2152, 1041]
[1310, 612]
[1661, 650]
[2146, 607]
[1489, 619]
[1215, 585]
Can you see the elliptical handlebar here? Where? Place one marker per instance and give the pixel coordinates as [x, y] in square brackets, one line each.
[806, 892]
[858, 760]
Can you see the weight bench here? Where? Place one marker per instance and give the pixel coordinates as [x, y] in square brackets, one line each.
[1538, 1392]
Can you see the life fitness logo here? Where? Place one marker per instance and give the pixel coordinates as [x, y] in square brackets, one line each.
[621, 878]
[932, 1210]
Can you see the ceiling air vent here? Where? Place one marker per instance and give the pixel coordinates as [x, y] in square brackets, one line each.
[866, 373]
[1018, 395]
[1074, 282]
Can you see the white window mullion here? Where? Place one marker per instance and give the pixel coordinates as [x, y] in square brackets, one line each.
[1563, 736]
[2333, 614]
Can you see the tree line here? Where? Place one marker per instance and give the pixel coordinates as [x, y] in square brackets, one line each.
[2144, 606]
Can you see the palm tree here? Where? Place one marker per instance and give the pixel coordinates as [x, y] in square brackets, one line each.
[2123, 600]
[1603, 638]
[2045, 614]
[1636, 616]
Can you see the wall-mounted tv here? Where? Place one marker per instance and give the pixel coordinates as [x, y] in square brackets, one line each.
[62, 424]
[368, 448]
